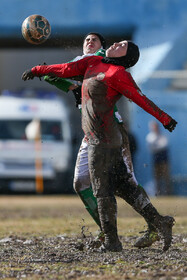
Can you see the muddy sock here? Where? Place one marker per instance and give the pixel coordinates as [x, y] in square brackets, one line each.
[90, 203]
[150, 214]
[107, 208]
[150, 226]
[137, 197]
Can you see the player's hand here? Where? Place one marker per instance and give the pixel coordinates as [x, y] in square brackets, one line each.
[171, 126]
[27, 75]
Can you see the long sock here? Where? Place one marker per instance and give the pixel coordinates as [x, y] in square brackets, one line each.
[90, 203]
[137, 197]
[107, 208]
[150, 226]
[150, 214]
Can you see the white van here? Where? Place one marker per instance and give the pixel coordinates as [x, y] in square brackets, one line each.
[18, 154]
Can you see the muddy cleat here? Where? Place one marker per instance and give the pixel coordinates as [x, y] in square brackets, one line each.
[165, 230]
[111, 247]
[147, 239]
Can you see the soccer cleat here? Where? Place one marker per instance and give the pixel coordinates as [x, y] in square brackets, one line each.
[147, 239]
[164, 227]
[111, 247]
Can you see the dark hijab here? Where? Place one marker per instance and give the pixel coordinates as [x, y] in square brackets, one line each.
[127, 61]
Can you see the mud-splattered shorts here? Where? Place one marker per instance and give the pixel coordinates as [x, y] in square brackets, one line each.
[107, 170]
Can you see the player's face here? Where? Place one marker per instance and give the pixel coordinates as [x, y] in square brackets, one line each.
[91, 44]
[117, 49]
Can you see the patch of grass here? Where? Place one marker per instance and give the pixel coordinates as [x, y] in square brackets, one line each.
[43, 233]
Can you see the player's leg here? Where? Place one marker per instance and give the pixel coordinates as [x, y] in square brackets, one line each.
[100, 164]
[139, 200]
[82, 184]
[151, 234]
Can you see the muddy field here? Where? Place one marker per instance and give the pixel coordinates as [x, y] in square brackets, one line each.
[52, 237]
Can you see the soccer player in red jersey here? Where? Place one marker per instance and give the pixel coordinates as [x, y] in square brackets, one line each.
[105, 81]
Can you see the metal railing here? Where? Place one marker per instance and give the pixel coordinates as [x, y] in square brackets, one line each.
[169, 74]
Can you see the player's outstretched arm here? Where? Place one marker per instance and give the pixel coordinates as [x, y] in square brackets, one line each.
[128, 88]
[66, 70]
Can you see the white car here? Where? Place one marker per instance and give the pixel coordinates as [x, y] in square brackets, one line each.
[35, 143]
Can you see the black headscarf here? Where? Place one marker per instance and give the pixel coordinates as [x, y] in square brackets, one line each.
[127, 61]
[101, 38]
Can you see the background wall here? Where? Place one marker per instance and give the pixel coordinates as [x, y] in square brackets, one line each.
[158, 27]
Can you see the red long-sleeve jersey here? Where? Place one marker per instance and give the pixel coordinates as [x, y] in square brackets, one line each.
[103, 85]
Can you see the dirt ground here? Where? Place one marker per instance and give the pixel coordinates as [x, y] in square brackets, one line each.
[51, 238]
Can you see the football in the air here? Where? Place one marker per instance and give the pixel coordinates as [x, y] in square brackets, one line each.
[36, 29]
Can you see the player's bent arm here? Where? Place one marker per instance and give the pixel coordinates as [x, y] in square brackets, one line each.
[60, 83]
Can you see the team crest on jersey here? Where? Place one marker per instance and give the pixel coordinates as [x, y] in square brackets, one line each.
[100, 76]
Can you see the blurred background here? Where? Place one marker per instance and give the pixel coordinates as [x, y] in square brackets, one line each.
[160, 30]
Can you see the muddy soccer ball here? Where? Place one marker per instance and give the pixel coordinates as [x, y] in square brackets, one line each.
[36, 29]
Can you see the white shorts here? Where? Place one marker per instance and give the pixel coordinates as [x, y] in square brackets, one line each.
[81, 173]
